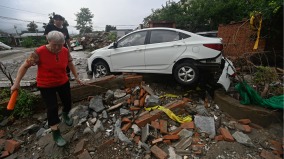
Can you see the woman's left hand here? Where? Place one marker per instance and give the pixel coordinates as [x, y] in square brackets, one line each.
[79, 81]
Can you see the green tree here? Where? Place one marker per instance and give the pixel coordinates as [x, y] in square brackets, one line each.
[32, 27]
[84, 21]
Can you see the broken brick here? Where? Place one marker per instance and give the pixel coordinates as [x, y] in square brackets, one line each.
[277, 147]
[159, 153]
[186, 100]
[171, 137]
[157, 140]
[134, 108]
[226, 134]
[176, 131]
[195, 140]
[11, 146]
[247, 128]
[268, 155]
[188, 125]
[219, 138]
[126, 127]
[4, 154]
[132, 80]
[142, 100]
[244, 121]
[141, 94]
[125, 120]
[155, 124]
[163, 126]
[105, 144]
[147, 117]
[168, 142]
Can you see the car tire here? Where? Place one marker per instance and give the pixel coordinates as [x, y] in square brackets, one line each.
[186, 73]
[100, 69]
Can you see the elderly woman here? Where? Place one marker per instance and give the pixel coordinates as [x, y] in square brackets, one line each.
[52, 60]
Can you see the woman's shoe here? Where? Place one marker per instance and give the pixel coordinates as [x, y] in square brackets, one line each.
[59, 140]
[67, 120]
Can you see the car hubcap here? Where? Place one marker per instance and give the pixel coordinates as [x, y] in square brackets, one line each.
[101, 71]
[186, 74]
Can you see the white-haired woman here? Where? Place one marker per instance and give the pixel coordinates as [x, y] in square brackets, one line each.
[52, 60]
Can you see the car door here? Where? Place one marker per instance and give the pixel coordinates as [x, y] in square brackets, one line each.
[129, 54]
[164, 47]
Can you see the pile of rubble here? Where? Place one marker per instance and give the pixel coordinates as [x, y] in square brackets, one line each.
[91, 41]
[131, 123]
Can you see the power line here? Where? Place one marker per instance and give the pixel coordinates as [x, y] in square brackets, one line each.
[22, 10]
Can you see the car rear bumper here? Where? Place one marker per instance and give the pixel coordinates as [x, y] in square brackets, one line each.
[211, 66]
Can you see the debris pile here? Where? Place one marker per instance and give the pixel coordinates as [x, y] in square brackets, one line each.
[138, 122]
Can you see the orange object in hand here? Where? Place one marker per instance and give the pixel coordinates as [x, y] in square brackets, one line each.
[12, 100]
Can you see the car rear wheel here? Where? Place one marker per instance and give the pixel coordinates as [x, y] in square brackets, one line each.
[186, 73]
[100, 69]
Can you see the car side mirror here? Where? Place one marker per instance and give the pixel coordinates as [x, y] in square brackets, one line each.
[115, 45]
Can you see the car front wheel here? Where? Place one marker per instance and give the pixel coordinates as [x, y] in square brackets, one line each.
[100, 69]
[186, 73]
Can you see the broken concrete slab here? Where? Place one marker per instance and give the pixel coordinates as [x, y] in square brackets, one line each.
[258, 115]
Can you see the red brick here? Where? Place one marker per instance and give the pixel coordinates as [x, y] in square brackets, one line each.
[11, 146]
[144, 119]
[142, 100]
[126, 127]
[168, 142]
[268, 155]
[277, 146]
[226, 134]
[2, 133]
[244, 121]
[171, 137]
[163, 127]
[155, 124]
[247, 128]
[134, 108]
[157, 140]
[159, 153]
[188, 125]
[4, 154]
[141, 94]
[197, 148]
[186, 100]
[219, 138]
[176, 131]
[132, 80]
[106, 144]
[125, 120]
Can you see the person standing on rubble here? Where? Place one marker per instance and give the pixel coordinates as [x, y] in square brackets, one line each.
[57, 25]
[52, 60]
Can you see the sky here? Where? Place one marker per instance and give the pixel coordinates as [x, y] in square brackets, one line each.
[124, 14]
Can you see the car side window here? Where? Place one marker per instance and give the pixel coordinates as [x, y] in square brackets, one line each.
[184, 36]
[160, 36]
[134, 39]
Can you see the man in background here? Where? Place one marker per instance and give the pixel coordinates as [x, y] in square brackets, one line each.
[57, 25]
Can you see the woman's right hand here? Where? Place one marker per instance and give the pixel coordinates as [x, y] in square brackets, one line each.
[16, 86]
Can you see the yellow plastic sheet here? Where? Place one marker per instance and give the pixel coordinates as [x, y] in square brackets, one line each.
[171, 114]
[252, 21]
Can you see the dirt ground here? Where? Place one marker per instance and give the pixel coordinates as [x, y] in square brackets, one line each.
[104, 145]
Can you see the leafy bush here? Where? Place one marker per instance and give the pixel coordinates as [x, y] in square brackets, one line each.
[33, 42]
[112, 36]
[25, 104]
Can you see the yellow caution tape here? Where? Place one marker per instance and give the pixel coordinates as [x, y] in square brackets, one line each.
[169, 96]
[171, 114]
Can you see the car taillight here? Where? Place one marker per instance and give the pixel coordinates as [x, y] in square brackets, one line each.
[218, 47]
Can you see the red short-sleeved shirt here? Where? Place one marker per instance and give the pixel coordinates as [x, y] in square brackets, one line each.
[51, 66]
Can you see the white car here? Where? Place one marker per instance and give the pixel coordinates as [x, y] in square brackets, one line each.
[159, 50]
